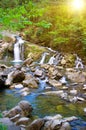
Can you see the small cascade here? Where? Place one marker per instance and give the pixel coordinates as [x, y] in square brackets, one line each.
[58, 58]
[42, 84]
[78, 63]
[43, 57]
[18, 51]
[51, 60]
[63, 80]
[54, 60]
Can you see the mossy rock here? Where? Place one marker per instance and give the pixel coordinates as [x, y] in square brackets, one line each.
[70, 59]
[33, 51]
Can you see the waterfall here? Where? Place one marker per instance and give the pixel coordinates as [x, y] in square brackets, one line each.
[78, 63]
[18, 50]
[43, 57]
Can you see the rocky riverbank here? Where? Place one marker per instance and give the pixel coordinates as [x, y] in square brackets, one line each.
[65, 76]
[20, 116]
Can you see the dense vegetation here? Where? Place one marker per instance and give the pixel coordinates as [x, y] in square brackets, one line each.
[52, 23]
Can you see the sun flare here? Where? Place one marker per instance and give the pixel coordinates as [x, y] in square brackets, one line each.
[78, 4]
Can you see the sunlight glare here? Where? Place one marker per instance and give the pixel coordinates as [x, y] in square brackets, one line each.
[78, 4]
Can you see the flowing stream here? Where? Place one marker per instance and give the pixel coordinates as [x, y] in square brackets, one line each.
[42, 104]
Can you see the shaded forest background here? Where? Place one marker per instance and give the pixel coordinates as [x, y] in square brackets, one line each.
[52, 23]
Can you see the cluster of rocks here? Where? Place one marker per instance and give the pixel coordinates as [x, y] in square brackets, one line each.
[68, 83]
[21, 116]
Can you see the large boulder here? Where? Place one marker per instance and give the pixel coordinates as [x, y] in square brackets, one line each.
[23, 108]
[79, 77]
[26, 108]
[15, 77]
[30, 81]
[18, 76]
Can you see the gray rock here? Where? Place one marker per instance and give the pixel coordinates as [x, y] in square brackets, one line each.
[15, 77]
[65, 126]
[15, 118]
[36, 124]
[30, 81]
[28, 61]
[54, 83]
[78, 77]
[6, 121]
[52, 125]
[58, 93]
[23, 121]
[18, 76]
[47, 118]
[38, 73]
[13, 112]
[26, 108]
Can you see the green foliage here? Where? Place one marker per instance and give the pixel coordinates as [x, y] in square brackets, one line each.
[8, 3]
[44, 24]
[1, 115]
[49, 22]
[3, 127]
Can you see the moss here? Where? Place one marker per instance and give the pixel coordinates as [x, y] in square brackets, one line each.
[33, 51]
